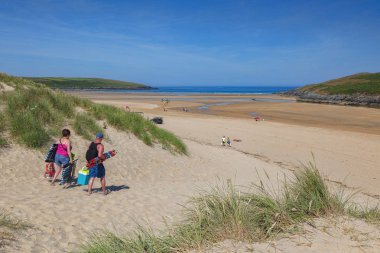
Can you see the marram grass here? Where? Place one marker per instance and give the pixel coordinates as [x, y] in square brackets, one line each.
[142, 128]
[86, 126]
[8, 221]
[35, 113]
[9, 225]
[3, 141]
[227, 213]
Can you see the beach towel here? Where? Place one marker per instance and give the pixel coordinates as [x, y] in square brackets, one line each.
[66, 173]
[50, 156]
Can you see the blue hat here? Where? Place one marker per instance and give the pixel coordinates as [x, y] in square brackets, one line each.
[99, 135]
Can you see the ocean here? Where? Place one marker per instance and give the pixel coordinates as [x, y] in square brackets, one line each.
[180, 90]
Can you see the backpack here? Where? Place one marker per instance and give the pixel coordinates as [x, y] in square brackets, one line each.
[92, 151]
[50, 156]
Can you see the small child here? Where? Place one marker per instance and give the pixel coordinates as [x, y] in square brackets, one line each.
[223, 141]
[49, 171]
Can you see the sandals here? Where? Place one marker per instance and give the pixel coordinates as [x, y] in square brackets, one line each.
[108, 191]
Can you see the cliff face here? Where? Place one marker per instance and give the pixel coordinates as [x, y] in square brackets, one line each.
[356, 100]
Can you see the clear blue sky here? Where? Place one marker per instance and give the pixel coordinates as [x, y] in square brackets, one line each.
[194, 42]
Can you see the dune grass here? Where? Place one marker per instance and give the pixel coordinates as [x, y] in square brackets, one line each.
[6, 220]
[369, 214]
[31, 112]
[36, 113]
[8, 226]
[3, 141]
[86, 126]
[142, 128]
[227, 213]
[17, 82]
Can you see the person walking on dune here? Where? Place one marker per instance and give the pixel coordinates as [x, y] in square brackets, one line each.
[96, 149]
[63, 155]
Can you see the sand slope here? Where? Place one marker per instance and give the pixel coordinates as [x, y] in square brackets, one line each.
[147, 183]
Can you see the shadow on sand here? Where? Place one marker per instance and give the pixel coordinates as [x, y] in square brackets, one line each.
[112, 188]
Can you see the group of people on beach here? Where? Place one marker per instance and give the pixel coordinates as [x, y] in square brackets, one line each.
[64, 158]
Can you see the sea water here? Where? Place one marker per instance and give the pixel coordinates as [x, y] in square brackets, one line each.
[183, 90]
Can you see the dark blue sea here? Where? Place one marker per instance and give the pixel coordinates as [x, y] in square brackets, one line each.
[179, 90]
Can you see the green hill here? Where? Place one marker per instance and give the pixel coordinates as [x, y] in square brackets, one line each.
[87, 83]
[362, 83]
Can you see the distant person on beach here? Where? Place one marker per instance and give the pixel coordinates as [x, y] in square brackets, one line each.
[223, 141]
[228, 141]
[63, 155]
[96, 149]
[165, 102]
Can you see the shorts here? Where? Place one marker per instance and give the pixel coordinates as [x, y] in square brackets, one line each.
[98, 171]
[61, 160]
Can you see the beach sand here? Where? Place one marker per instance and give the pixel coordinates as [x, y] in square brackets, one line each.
[149, 184]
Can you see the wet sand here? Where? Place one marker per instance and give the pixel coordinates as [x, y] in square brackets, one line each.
[268, 107]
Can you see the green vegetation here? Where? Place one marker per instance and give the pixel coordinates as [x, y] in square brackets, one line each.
[9, 225]
[142, 128]
[364, 83]
[32, 111]
[3, 141]
[6, 220]
[86, 126]
[35, 113]
[86, 83]
[227, 213]
[17, 82]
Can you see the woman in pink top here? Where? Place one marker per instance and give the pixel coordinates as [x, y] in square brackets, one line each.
[63, 155]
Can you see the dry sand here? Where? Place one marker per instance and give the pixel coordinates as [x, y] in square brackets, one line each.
[149, 184]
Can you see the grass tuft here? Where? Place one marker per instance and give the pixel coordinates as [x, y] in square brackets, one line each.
[371, 215]
[6, 220]
[85, 126]
[9, 225]
[3, 141]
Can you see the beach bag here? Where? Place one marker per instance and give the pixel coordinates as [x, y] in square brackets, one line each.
[66, 173]
[49, 170]
[50, 156]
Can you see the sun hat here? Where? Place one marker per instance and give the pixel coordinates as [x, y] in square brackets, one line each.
[99, 135]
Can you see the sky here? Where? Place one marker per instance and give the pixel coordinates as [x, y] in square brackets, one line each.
[194, 42]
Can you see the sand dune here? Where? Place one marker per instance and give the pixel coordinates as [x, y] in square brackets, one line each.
[149, 184]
